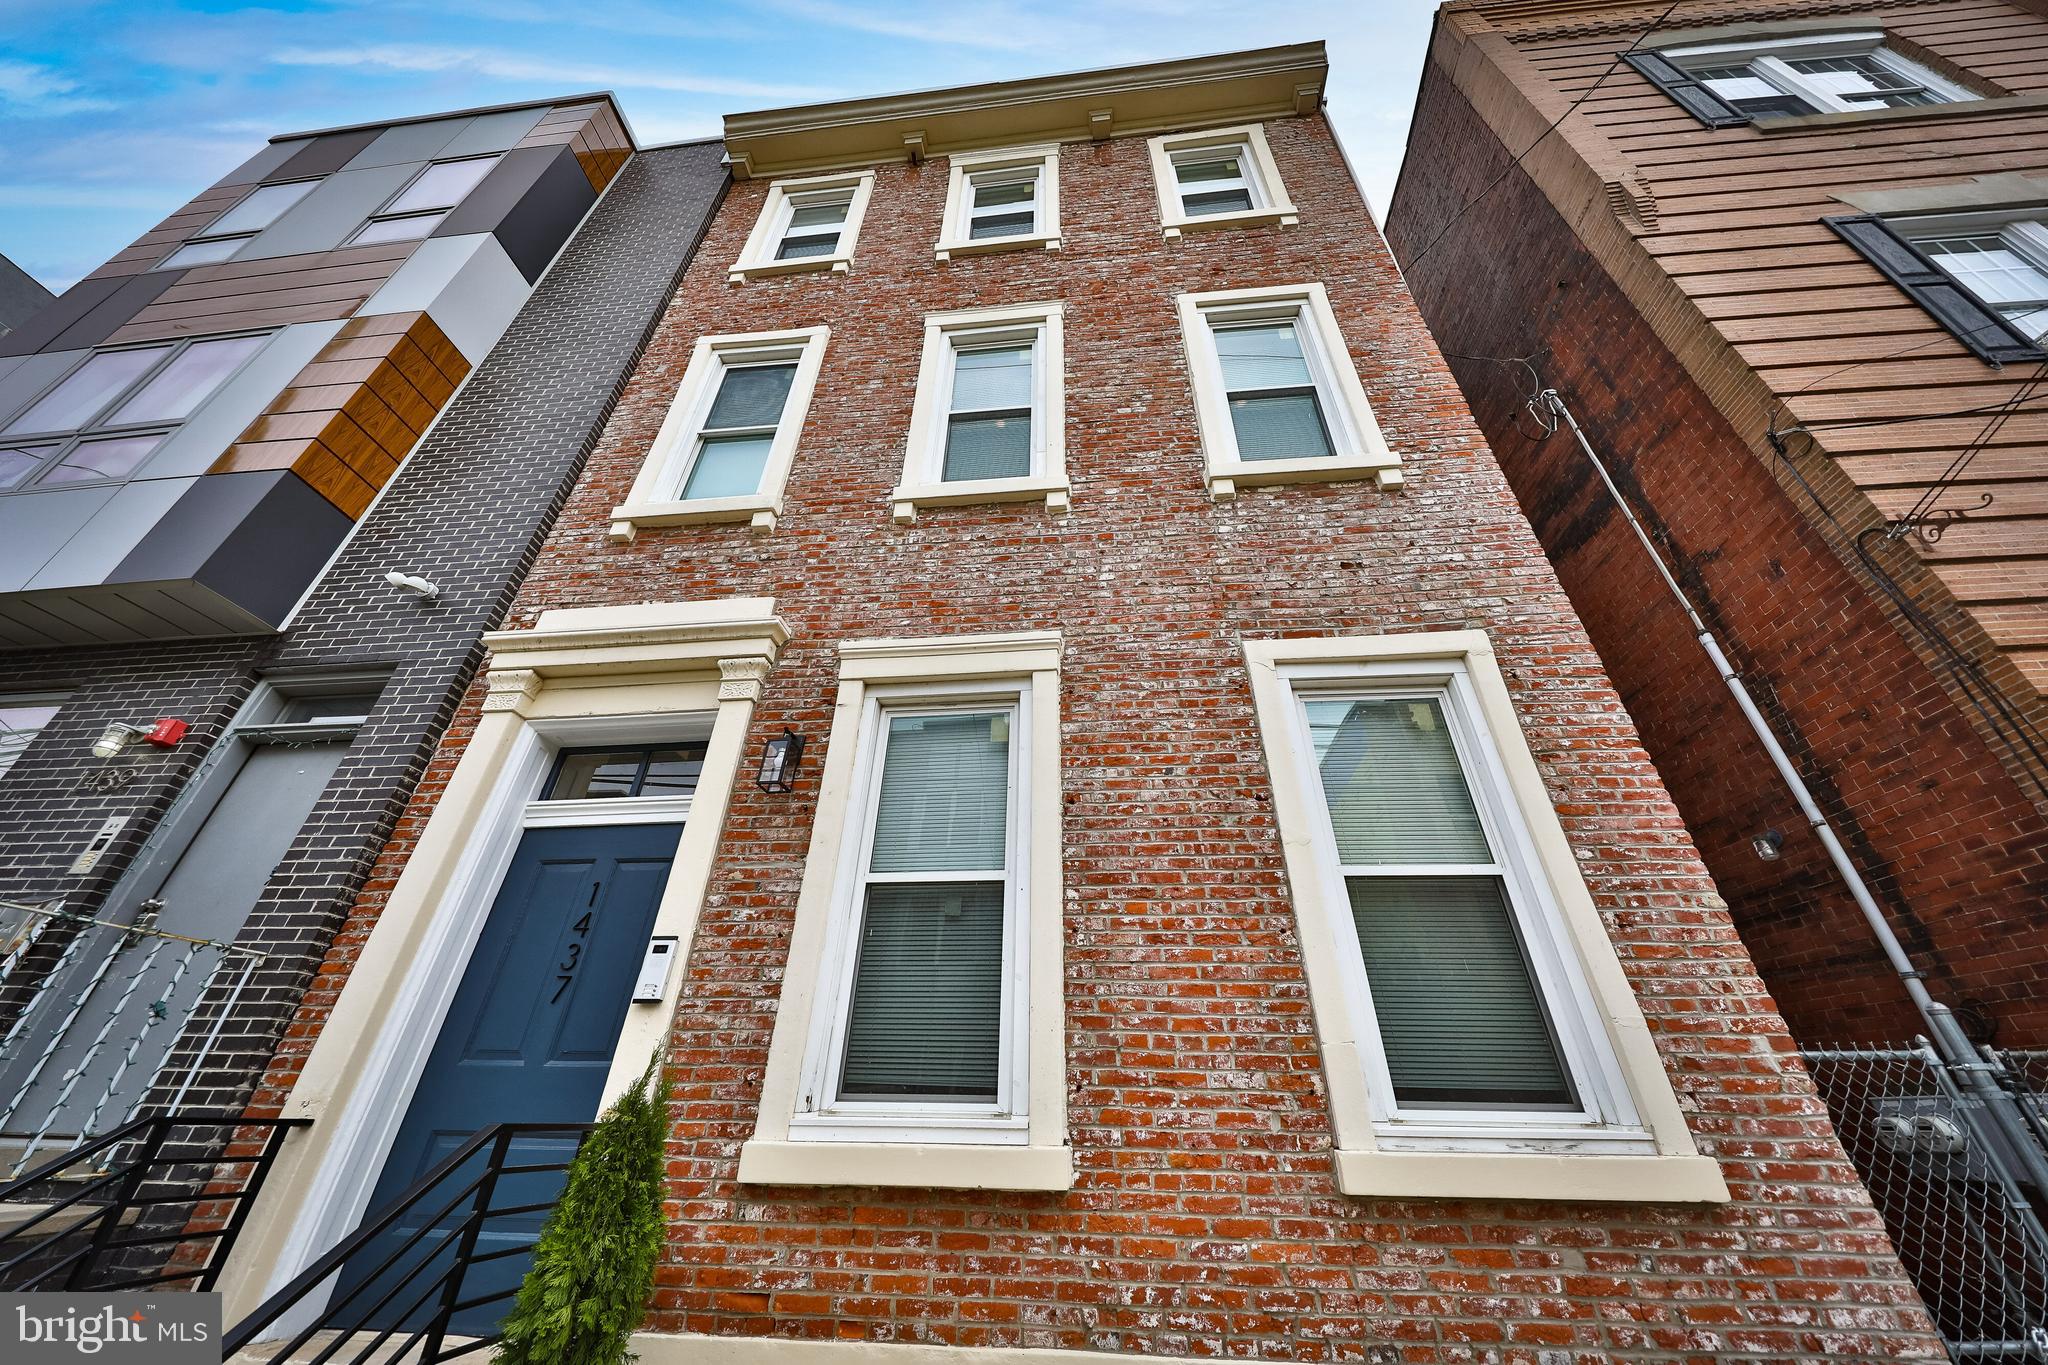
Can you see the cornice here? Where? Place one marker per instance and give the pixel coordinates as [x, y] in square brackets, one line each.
[1230, 87]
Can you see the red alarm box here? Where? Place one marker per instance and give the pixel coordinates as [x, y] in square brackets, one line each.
[166, 732]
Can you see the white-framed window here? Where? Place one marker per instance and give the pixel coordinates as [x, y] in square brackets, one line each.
[988, 423]
[1473, 1015]
[1224, 177]
[725, 449]
[2001, 257]
[1817, 74]
[920, 1036]
[105, 416]
[1276, 395]
[810, 223]
[22, 715]
[224, 236]
[418, 208]
[1001, 201]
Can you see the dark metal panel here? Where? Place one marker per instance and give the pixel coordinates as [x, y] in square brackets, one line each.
[531, 201]
[67, 308]
[325, 155]
[136, 292]
[273, 155]
[22, 295]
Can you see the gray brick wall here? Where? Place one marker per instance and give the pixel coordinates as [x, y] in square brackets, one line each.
[469, 511]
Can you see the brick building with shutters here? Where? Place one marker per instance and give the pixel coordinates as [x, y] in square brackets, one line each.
[1043, 711]
[1788, 265]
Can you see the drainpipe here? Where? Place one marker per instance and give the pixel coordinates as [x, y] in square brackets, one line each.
[1947, 1034]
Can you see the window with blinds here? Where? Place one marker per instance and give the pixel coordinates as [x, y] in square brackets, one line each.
[815, 222]
[1461, 1018]
[1214, 180]
[989, 410]
[1276, 408]
[924, 1010]
[739, 430]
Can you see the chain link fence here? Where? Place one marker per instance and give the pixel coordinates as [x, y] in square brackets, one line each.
[1965, 1227]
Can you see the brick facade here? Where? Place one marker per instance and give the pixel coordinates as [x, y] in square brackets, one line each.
[1929, 804]
[1204, 1219]
[467, 510]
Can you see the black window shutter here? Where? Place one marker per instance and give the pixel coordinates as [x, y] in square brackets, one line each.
[1690, 95]
[1988, 335]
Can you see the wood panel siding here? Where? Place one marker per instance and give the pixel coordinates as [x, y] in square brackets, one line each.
[349, 418]
[160, 241]
[595, 130]
[236, 295]
[1737, 228]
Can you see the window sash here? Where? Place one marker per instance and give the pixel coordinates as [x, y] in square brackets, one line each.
[1031, 337]
[257, 210]
[821, 1103]
[54, 447]
[2024, 239]
[980, 215]
[1558, 996]
[789, 233]
[702, 434]
[1317, 389]
[1774, 70]
[1190, 191]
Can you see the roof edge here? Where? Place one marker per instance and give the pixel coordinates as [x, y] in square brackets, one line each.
[481, 109]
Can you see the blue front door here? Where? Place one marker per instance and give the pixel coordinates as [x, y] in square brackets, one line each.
[528, 1039]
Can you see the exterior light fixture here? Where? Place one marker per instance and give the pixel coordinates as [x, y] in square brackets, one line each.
[164, 733]
[779, 762]
[1768, 845]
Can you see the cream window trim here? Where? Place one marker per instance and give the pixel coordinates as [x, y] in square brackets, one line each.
[757, 258]
[792, 1142]
[1270, 203]
[1634, 1143]
[924, 451]
[965, 168]
[655, 499]
[1359, 449]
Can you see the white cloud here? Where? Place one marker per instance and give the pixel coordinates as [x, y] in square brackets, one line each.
[420, 57]
[26, 88]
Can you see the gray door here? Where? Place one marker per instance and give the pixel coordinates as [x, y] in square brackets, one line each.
[94, 1047]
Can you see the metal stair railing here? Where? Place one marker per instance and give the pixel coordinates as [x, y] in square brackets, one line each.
[138, 1174]
[351, 1315]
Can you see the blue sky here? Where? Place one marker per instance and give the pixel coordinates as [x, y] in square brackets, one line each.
[113, 114]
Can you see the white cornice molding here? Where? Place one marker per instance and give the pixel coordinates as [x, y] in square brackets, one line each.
[1230, 87]
[640, 638]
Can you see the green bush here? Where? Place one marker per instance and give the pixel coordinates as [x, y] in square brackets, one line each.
[593, 1268]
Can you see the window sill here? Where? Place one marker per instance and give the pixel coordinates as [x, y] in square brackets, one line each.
[1530, 1175]
[987, 246]
[742, 271]
[627, 518]
[1284, 215]
[907, 498]
[1227, 476]
[1997, 104]
[952, 1166]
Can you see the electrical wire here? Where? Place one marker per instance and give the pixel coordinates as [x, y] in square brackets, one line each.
[1923, 507]
[1572, 108]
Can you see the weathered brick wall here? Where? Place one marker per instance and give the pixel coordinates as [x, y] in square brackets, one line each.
[1205, 1218]
[1950, 844]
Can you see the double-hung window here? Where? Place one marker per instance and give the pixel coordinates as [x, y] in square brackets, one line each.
[1782, 77]
[429, 197]
[1001, 201]
[2003, 260]
[232, 231]
[1225, 177]
[807, 224]
[919, 1042]
[103, 419]
[1276, 395]
[988, 420]
[725, 449]
[1462, 983]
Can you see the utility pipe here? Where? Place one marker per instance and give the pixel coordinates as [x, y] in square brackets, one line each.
[1948, 1036]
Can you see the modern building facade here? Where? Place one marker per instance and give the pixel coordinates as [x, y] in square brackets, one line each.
[1786, 265]
[369, 352]
[1043, 712]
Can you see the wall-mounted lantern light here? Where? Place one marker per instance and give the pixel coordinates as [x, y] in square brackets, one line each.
[779, 760]
[1768, 845]
[164, 733]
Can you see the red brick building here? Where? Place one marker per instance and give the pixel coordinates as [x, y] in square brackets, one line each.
[1220, 907]
[1777, 218]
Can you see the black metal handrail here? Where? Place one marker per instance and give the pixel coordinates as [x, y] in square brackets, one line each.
[39, 1252]
[349, 1313]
